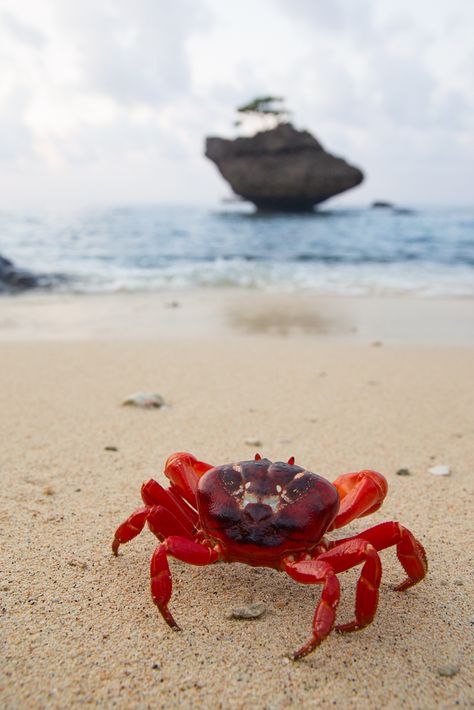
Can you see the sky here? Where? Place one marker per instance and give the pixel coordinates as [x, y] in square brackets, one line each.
[110, 102]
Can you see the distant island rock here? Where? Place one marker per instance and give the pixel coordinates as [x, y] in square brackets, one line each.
[391, 207]
[282, 169]
[382, 204]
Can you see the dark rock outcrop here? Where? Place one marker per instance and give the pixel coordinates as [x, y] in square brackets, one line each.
[382, 204]
[13, 279]
[391, 207]
[281, 169]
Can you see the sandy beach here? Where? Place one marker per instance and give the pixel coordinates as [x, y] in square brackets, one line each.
[340, 384]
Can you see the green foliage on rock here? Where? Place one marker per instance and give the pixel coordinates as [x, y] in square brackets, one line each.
[263, 107]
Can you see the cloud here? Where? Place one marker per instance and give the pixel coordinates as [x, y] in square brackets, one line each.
[16, 139]
[133, 52]
[390, 83]
[336, 16]
[130, 89]
[22, 31]
[89, 80]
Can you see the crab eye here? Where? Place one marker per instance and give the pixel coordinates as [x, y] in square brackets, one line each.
[231, 479]
[298, 487]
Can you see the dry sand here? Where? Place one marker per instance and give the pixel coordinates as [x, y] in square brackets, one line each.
[79, 626]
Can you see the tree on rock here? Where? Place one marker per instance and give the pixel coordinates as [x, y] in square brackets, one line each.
[263, 113]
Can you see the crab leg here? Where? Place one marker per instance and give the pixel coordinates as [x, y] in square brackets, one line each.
[410, 551]
[161, 583]
[348, 554]
[161, 522]
[129, 529]
[317, 572]
[360, 493]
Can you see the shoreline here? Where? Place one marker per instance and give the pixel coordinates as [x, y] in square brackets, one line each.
[237, 312]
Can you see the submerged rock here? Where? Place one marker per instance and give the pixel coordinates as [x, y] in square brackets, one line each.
[391, 207]
[282, 169]
[382, 204]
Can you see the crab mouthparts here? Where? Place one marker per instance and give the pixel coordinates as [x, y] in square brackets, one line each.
[258, 512]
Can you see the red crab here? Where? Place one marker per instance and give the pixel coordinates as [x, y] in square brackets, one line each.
[272, 515]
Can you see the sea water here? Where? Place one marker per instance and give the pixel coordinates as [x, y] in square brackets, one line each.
[354, 251]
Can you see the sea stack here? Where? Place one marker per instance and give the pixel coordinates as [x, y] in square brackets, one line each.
[281, 169]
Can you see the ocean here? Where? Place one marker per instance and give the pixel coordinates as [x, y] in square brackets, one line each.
[334, 251]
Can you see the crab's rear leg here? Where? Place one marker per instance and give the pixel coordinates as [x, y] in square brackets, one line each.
[161, 583]
[316, 572]
[410, 551]
[360, 493]
[348, 554]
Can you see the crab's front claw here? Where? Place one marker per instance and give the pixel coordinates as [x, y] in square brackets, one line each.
[184, 471]
[360, 493]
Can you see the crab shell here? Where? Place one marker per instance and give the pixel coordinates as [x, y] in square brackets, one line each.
[259, 510]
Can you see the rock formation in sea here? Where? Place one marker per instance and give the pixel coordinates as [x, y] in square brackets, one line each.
[281, 169]
[13, 279]
[382, 204]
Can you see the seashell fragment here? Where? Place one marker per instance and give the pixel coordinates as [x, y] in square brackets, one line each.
[146, 400]
[440, 470]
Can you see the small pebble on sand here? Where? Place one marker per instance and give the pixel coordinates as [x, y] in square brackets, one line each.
[77, 563]
[448, 671]
[250, 611]
[253, 441]
[48, 491]
[403, 472]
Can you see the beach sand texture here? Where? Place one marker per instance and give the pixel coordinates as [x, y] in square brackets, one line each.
[78, 625]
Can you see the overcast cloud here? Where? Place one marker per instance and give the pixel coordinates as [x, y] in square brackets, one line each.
[111, 101]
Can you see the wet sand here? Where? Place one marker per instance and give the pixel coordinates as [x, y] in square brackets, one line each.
[339, 392]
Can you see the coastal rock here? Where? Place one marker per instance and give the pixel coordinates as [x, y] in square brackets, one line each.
[281, 169]
[13, 279]
[391, 207]
[382, 204]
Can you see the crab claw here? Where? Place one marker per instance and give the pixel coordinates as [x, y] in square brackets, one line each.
[360, 493]
[184, 471]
